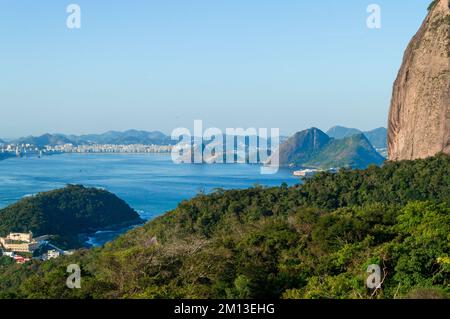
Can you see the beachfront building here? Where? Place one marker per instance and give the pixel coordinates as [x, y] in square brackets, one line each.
[19, 242]
[52, 254]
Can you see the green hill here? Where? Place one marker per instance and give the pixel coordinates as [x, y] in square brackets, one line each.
[302, 146]
[354, 151]
[377, 137]
[313, 240]
[66, 213]
[314, 148]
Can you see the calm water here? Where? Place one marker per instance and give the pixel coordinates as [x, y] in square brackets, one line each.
[150, 183]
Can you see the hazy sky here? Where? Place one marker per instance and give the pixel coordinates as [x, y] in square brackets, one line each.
[151, 65]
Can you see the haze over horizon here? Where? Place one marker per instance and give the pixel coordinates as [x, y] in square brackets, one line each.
[157, 66]
[11, 138]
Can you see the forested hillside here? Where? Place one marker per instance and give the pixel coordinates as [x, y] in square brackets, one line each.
[309, 241]
[66, 213]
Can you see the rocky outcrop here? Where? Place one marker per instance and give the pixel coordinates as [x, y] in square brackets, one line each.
[419, 118]
[300, 147]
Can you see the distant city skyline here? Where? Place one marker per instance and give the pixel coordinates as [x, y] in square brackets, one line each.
[153, 65]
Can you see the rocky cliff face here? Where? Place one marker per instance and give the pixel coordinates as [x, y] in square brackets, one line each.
[419, 118]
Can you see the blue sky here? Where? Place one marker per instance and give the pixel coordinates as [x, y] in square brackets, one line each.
[231, 63]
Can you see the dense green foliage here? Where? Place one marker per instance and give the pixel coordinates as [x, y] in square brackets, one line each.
[66, 213]
[314, 240]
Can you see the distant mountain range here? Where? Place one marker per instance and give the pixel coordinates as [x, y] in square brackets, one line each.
[377, 137]
[43, 140]
[339, 147]
[314, 148]
[112, 137]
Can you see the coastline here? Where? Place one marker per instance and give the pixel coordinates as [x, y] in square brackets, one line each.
[93, 239]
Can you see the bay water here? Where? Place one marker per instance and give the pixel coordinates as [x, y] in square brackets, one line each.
[150, 183]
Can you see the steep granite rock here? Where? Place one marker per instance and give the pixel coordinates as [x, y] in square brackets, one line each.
[419, 118]
[302, 146]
